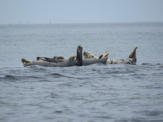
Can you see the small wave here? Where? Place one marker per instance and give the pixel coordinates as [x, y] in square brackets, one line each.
[58, 112]
[133, 120]
[150, 64]
[161, 66]
[157, 74]
[102, 117]
[36, 68]
[16, 78]
[146, 64]
[154, 67]
[150, 112]
[58, 75]
[153, 113]
[152, 87]
[9, 77]
[120, 71]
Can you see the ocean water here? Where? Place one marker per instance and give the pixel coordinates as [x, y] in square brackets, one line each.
[94, 93]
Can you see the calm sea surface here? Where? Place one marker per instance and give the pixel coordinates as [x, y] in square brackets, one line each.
[95, 93]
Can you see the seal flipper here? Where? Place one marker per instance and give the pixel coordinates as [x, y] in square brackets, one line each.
[79, 56]
[133, 53]
[106, 53]
[25, 62]
[89, 55]
[58, 57]
[133, 56]
[44, 59]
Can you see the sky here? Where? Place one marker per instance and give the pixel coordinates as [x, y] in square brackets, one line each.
[80, 11]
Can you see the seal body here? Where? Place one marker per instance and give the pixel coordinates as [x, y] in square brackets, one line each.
[67, 62]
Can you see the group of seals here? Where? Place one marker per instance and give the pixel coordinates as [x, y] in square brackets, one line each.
[80, 59]
[130, 60]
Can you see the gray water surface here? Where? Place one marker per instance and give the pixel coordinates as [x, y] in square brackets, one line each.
[95, 93]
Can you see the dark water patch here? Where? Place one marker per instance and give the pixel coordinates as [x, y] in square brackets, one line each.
[44, 80]
[155, 114]
[115, 72]
[133, 120]
[2, 102]
[158, 64]
[122, 69]
[147, 64]
[160, 74]
[14, 78]
[93, 69]
[161, 66]
[138, 76]
[67, 84]
[153, 86]
[156, 120]
[58, 112]
[9, 78]
[37, 105]
[28, 77]
[2, 119]
[157, 67]
[118, 71]
[152, 113]
[83, 78]
[102, 117]
[58, 75]
[37, 68]
[54, 95]
[152, 64]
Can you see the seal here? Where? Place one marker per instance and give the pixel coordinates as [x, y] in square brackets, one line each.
[62, 62]
[130, 60]
[55, 59]
[88, 55]
[91, 59]
[67, 62]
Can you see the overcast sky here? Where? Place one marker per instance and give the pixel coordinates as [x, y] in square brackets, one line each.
[80, 11]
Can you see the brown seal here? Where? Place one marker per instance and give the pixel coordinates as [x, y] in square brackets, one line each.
[79, 57]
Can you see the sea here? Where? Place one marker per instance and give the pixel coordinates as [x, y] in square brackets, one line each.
[94, 93]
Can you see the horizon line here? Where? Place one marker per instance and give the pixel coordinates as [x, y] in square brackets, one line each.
[76, 23]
